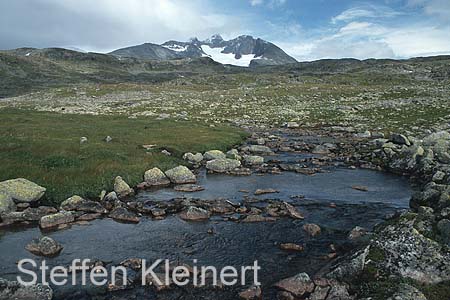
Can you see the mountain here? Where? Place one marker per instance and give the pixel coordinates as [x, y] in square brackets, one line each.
[244, 51]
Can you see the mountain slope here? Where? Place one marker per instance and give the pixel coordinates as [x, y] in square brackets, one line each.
[243, 51]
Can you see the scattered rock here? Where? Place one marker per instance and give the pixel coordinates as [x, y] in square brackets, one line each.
[214, 154]
[12, 290]
[407, 292]
[400, 139]
[360, 188]
[188, 188]
[357, 233]
[22, 190]
[193, 158]
[193, 213]
[165, 152]
[181, 175]
[258, 218]
[122, 188]
[45, 246]
[56, 219]
[76, 203]
[108, 139]
[438, 176]
[252, 293]
[292, 125]
[155, 177]
[320, 149]
[222, 165]
[312, 229]
[293, 212]
[266, 191]
[83, 140]
[258, 149]
[233, 154]
[124, 215]
[291, 247]
[299, 285]
[253, 160]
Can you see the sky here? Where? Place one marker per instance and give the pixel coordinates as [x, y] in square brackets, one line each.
[305, 29]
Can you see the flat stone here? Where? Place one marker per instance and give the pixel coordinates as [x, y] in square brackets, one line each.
[124, 215]
[22, 190]
[214, 154]
[188, 188]
[293, 212]
[258, 149]
[258, 218]
[193, 213]
[253, 160]
[266, 191]
[56, 219]
[291, 247]
[76, 203]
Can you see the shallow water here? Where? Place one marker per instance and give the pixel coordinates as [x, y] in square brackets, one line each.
[232, 243]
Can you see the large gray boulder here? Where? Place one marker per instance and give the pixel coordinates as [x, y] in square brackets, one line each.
[22, 190]
[12, 290]
[222, 165]
[55, 220]
[7, 204]
[214, 154]
[253, 160]
[122, 188]
[193, 158]
[181, 175]
[155, 177]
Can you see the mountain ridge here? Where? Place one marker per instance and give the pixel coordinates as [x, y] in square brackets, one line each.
[245, 50]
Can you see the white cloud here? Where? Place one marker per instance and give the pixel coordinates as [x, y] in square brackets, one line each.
[256, 2]
[364, 12]
[440, 8]
[108, 24]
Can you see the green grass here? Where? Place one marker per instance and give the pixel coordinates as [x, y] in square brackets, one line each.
[45, 148]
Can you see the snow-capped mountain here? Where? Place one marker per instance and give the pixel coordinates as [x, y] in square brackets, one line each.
[242, 51]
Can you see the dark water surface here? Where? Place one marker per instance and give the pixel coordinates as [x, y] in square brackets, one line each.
[232, 243]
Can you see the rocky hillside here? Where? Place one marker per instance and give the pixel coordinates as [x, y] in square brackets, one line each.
[243, 51]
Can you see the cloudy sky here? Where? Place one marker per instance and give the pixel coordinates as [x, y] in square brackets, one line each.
[305, 29]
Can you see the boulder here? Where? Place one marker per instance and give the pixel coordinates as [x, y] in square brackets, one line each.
[83, 140]
[76, 203]
[233, 154]
[111, 200]
[7, 204]
[438, 176]
[122, 188]
[124, 215]
[258, 149]
[320, 149]
[13, 290]
[312, 229]
[56, 219]
[443, 227]
[155, 177]
[400, 139]
[181, 175]
[253, 160]
[293, 212]
[193, 213]
[298, 285]
[31, 214]
[45, 246]
[193, 158]
[214, 154]
[22, 190]
[265, 191]
[222, 165]
[292, 125]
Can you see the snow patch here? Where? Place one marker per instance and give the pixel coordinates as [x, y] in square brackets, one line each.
[228, 58]
[176, 48]
[28, 54]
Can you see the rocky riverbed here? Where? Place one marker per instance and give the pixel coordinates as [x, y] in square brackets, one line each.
[304, 202]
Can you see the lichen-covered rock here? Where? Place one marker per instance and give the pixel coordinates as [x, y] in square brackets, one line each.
[405, 252]
[122, 188]
[54, 220]
[298, 285]
[407, 292]
[45, 246]
[214, 154]
[7, 204]
[124, 215]
[258, 149]
[189, 188]
[253, 160]
[312, 229]
[31, 214]
[400, 139]
[252, 293]
[193, 158]
[193, 213]
[76, 203]
[181, 175]
[222, 165]
[10, 290]
[155, 177]
[22, 190]
[233, 154]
